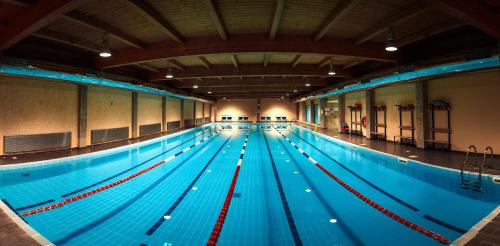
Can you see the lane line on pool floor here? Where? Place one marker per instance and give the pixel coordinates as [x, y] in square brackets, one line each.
[425, 216]
[214, 236]
[368, 201]
[398, 200]
[118, 182]
[284, 201]
[171, 209]
[109, 178]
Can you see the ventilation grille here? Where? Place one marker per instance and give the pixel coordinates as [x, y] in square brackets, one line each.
[149, 129]
[199, 121]
[37, 142]
[188, 122]
[108, 135]
[173, 125]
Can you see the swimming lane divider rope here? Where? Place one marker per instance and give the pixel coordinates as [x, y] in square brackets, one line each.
[368, 201]
[123, 180]
[212, 241]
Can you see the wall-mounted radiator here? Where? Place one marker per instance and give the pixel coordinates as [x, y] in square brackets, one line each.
[109, 135]
[36, 142]
[149, 129]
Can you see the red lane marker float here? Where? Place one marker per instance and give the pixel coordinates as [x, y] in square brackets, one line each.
[368, 201]
[212, 241]
[103, 188]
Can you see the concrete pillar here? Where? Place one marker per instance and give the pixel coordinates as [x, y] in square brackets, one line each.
[370, 112]
[82, 115]
[182, 113]
[135, 127]
[322, 106]
[164, 113]
[194, 113]
[258, 110]
[421, 116]
[341, 118]
[210, 111]
[202, 112]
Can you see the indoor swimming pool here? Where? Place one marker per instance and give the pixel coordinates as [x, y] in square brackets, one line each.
[244, 184]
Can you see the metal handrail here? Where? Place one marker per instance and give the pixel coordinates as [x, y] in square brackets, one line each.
[465, 162]
[485, 154]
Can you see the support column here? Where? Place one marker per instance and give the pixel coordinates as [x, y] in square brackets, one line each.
[202, 112]
[341, 118]
[210, 112]
[182, 113]
[164, 114]
[370, 112]
[311, 113]
[421, 120]
[323, 120]
[258, 110]
[194, 113]
[135, 130]
[82, 115]
[297, 111]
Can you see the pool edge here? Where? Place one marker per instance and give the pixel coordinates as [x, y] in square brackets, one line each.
[474, 230]
[32, 233]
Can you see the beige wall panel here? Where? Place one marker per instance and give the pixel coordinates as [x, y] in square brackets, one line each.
[274, 108]
[351, 99]
[237, 107]
[475, 113]
[206, 113]
[148, 109]
[173, 109]
[188, 109]
[390, 97]
[108, 108]
[199, 109]
[33, 106]
[301, 111]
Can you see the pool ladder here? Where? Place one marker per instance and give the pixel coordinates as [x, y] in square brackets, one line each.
[476, 184]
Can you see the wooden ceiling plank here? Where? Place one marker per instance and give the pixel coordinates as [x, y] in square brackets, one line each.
[384, 25]
[339, 10]
[155, 18]
[205, 62]
[354, 63]
[278, 14]
[65, 39]
[22, 3]
[296, 60]
[430, 32]
[147, 67]
[85, 20]
[216, 17]
[474, 13]
[246, 43]
[33, 18]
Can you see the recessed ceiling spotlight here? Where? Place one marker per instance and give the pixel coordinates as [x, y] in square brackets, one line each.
[209, 92]
[105, 51]
[282, 97]
[195, 86]
[223, 98]
[287, 94]
[307, 84]
[391, 44]
[295, 90]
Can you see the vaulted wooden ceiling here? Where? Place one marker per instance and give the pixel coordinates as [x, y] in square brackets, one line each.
[240, 48]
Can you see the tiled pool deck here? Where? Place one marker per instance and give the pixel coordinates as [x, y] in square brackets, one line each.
[12, 233]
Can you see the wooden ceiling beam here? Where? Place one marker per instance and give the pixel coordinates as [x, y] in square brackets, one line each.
[325, 61]
[386, 24]
[296, 60]
[354, 63]
[339, 10]
[234, 60]
[430, 32]
[211, 83]
[147, 67]
[22, 3]
[278, 14]
[246, 43]
[33, 18]
[176, 64]
[205, 62]
[216, 17]
[88, 21]
[155, 18]
[474, 13]
[66, 39]
[253, 70]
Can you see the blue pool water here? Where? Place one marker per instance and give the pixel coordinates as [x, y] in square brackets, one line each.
[280, 197]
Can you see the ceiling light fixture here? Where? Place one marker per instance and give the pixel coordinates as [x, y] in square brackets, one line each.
[169, 74]
[105, 51]
[195, 86]
[307, 84]
[209, 92]
[295, 90]
[331, 72]
[391, 44]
